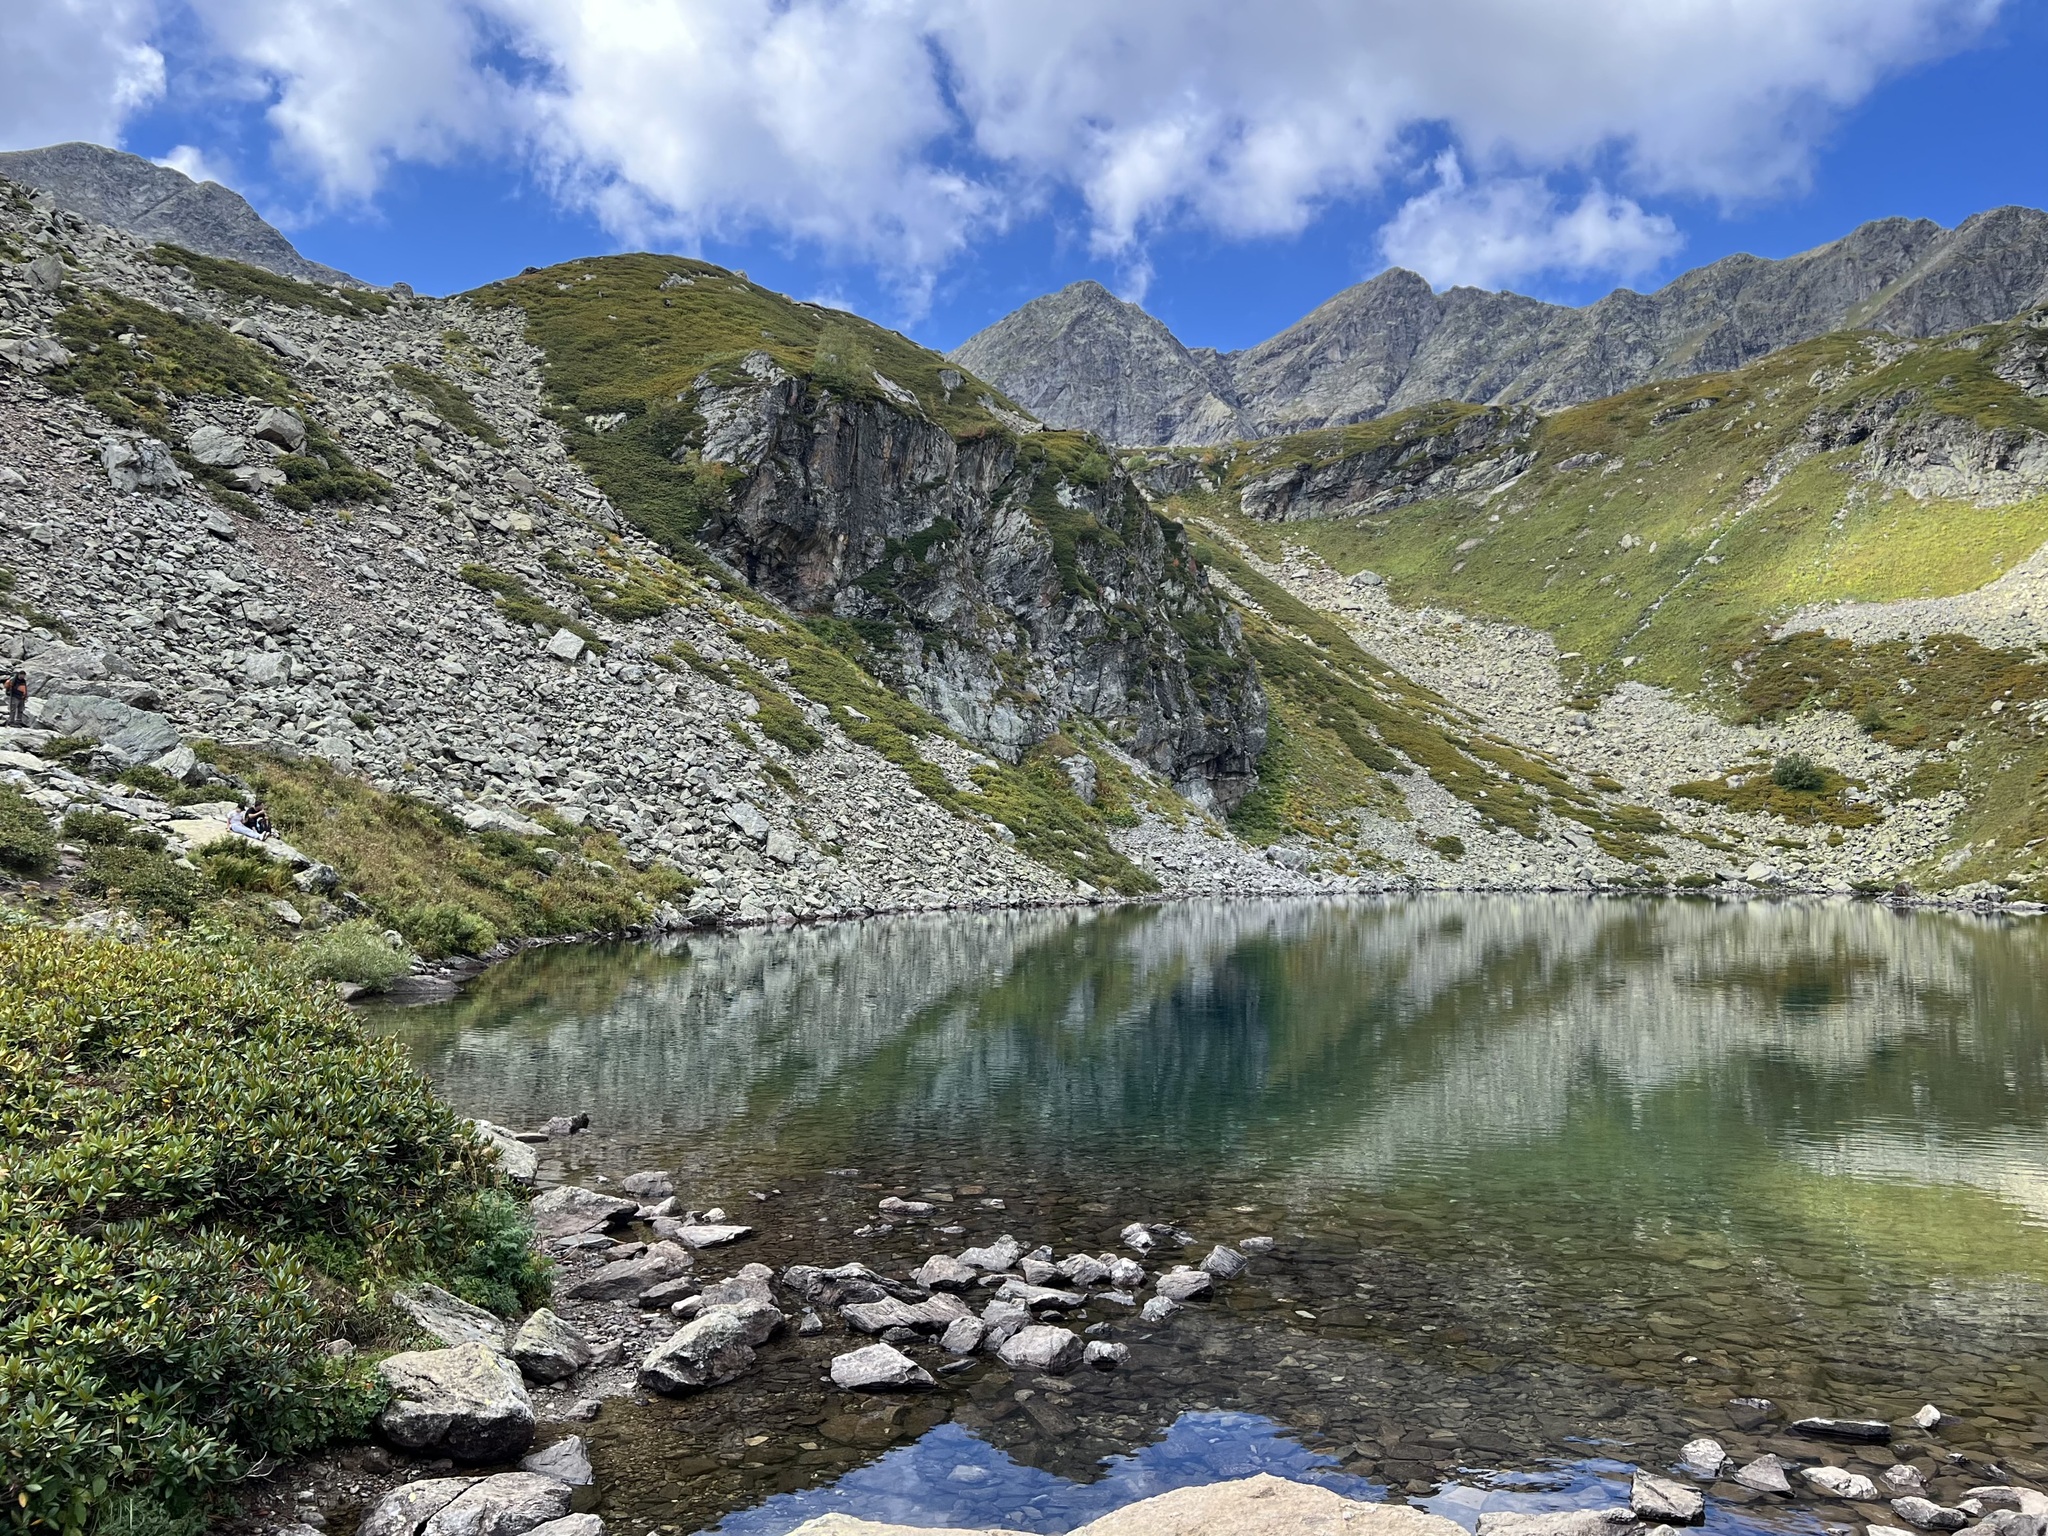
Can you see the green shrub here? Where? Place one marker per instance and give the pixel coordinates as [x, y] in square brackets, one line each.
[140, 877]
[236, 864]
[104, 828]
[27, 845]
[1799, 773]
[1450, 845]
[499, 1267]
[184, 1132]
[355, 951]
[437, 928]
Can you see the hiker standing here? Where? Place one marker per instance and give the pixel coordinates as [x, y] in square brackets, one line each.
[17, 698]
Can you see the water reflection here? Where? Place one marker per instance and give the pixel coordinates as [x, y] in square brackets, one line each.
[1544, 1171]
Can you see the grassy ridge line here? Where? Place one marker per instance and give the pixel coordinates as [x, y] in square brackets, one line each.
[1727, 528]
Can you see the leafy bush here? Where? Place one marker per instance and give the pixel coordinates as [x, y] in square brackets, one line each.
[196, 1148]
[1799, 773]
[141, 877]
[105, 829]
[446, 928]
[1450, 845]
[27, 845]
[355, 951]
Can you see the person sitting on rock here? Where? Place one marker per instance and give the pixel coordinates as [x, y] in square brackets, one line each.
[240, 825]
[259, 821]
[17, 699]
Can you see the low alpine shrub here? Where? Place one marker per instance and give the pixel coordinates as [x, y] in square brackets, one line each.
[27, 845]
[200, 1155]
[355, 951]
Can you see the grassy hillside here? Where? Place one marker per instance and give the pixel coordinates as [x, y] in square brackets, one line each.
[1665, 534]
[1705, 517]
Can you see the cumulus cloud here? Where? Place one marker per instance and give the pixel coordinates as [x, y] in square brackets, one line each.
[1516, 226]
[897, 131]
[74, 69]
[192, 162]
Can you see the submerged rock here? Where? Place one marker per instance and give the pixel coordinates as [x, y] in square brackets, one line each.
[1856, 1431]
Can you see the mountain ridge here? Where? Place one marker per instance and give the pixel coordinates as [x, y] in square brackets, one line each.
[1083, 358]
[157, 202]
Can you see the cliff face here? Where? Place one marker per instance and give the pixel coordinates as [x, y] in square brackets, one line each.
[1392, 342]
[155, 202]
[1008, 582]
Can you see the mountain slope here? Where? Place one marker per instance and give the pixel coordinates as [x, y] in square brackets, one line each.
[1012, 581]
[157, 203]
[1392, 343]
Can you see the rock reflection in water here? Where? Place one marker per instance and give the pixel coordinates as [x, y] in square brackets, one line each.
[1542, 1170]
[951, 1477]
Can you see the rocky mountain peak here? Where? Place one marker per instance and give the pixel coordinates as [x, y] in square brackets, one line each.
[155, 202]
[1392, 342]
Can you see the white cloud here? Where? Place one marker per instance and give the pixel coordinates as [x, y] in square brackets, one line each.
[74, 69]
[190, 161]
[1517, 226]
[898, 131]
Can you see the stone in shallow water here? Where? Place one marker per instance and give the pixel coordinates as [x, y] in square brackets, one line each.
[1840, 1484]
[1666, 1501]
[897, 1209]
[1927, 1417]
[1038, 1296]
[566, 1461]
[405, 1509]
[1105, 1356]
[999, 1255]
[628, 1279]
[1766, 1475]
[1857, 1431]
[1556, 1522]
[1257, 1245]
[1903, 1478]
[1125, 1274]
[943, 1272]
[1159, 1309]
[1703, 1457]
[652, 1184]
[1225, 1263]
[963, 1336]
[1183, 1284]
[1747, 1413]
[1084, 1269]
[1137, 1236]
[694, 1235]
[570, 1525]
[1055, 1351]
[1928, 1515]
[935, 1314]
[878, 1368]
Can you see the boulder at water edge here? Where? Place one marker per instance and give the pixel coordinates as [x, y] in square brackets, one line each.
[567, 1210]
[510, 1504]
[467, 1402]
[706, 1352]
[878, 1368]
[548, 1348]
[449, 1318]
[1040, 1347]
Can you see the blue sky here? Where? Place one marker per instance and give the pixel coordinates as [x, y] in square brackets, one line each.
[1234, 166]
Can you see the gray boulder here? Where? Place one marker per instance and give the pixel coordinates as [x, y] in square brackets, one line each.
[284, 428]
[1158, 1309]
[1556, 1522]
[652, 1184]
[1703, 1457]
[706, 1352]
[570, 1525]
[1084, 1269]
[510, 1504]
[996, 1257]
[933, 1315]
[1225, 1263]
[710, 1234]
[466, 1402]
[943, 1272]
[139, 464]
[1055, 1351]
[1105, 1356]
[1766, 1475]
[217, 447]
[628, 1279]
[1928, 1515]
[752, 1284]
[963, 1336]
[1037, 1296]
[516, 1160]
[565, 1461]
[549, 1348]
[878, 1368]
[1181, 1284]
[130, 734]
[1666, 1501]
[1839, 1483]
[449, 1318]
[406, 1508]
[566, 1210]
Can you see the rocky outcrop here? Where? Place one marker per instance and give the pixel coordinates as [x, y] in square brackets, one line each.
[1025, 581]
[1392, 342]
[1428, 455]
[157, 203]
